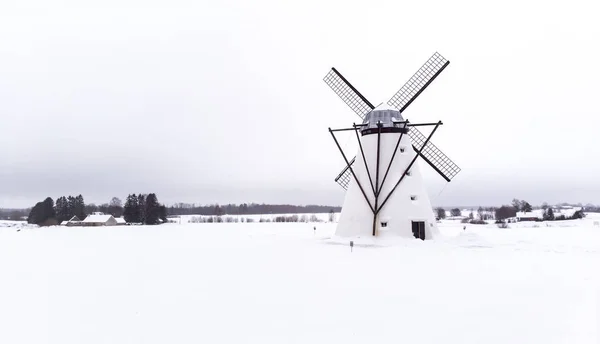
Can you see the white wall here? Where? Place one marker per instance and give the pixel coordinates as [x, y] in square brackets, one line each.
[356, 218]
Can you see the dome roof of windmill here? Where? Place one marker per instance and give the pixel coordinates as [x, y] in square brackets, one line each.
[384, 114]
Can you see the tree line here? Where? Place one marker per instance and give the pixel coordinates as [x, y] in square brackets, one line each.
[138, 209]
[114, 207]
[247, 209]
[142, 211]
[142, 208]
[67, 207]
[13, 214]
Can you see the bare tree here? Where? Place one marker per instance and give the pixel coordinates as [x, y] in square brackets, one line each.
[441, 213]
[116, 202]
[516, 204]
[480, 213]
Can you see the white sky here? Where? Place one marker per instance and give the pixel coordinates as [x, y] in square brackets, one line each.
[223, 101]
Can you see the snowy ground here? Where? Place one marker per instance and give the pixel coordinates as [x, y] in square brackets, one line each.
[282, 283]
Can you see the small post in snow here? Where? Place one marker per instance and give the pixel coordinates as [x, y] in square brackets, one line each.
[351, 245]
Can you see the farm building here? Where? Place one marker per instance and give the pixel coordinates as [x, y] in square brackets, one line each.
[74, 221]
[99, 219]
[537, 214]
[120, 221]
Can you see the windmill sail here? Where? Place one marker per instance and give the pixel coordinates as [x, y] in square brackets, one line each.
[343, 179]
[418, 82]
[433, 155]
[350, 95]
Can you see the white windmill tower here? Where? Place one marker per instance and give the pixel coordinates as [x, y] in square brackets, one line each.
[385, 190]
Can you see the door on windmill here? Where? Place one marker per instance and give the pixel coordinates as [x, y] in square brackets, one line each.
[418, 229]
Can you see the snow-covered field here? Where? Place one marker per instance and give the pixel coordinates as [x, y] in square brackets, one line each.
[283, 283]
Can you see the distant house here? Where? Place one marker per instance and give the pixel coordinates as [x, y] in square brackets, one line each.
[120, 221]
[99, 219]
[562, 212]
[74, 221]
[534, 215]
[566, 211]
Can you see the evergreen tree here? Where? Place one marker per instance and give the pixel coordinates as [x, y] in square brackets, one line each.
[48, 209]
[505, 211]
[79, 207]
[71, 206]
[549, 215]
[526, 207]
[131, 210]
[163, 213]
[455, 212]
[152, 210]
[578, 214]
[61, 209]
[43, 213]
[141, 199]
[35, 214]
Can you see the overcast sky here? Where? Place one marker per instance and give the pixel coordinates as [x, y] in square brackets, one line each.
[223, 101]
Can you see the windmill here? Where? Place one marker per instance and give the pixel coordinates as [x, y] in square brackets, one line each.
[383, 183]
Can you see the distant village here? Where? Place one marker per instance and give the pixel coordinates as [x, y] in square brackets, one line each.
[145, 209]
[517, 211]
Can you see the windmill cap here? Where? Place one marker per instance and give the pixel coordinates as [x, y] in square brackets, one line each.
[384, 114]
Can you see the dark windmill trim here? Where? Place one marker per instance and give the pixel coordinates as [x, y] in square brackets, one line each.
[432, 165]
[362, 152]
[348, 165]
[352, 88]
[423, 124]
[425, 85]
[343, 129]
[344, 170]
[423, 156]
[377, 208]
[393, 154]
[377, 188]
[361, 106]
[384, 130]
[409, 167]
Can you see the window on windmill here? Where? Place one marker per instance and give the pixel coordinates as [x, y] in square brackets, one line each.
[402, 149]
[413, 197]
[384, 224]
[408, 173]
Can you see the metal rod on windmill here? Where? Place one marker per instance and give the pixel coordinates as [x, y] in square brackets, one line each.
[388, 148]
